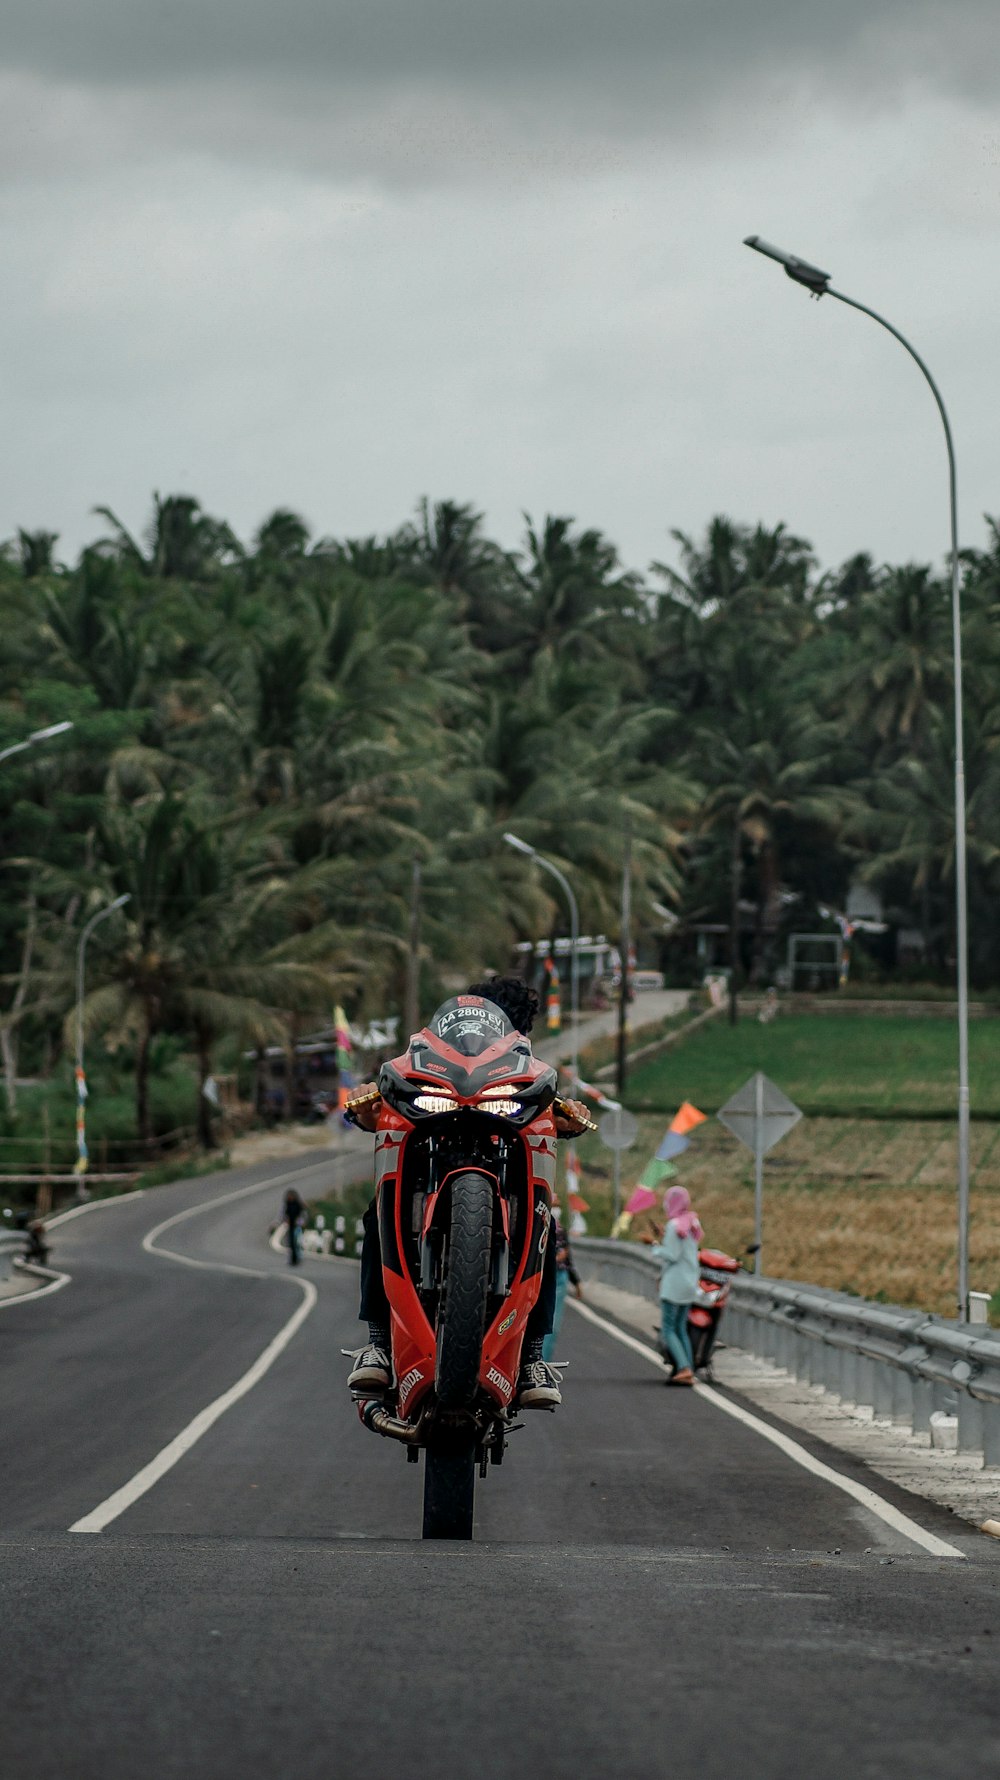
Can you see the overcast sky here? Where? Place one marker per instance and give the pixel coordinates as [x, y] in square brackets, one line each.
[337, 254]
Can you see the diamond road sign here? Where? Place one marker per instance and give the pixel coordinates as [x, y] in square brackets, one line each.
[618, 1130]
[759, 1114]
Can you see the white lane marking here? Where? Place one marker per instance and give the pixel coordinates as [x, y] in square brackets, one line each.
[137, 1486]
[77, 1211]
[893, 1517]
[56, 1283]
[194, 1211]
[58, 1280]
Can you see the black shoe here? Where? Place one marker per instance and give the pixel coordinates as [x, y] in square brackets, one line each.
[538, 1386]
[372, 1370]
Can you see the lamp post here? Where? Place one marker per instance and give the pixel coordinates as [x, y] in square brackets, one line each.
[529, 852]
[818, 282]
[81, 1080]
[37, 735]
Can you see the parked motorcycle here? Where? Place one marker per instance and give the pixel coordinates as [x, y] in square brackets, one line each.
[715, 1282]
[465, 1156]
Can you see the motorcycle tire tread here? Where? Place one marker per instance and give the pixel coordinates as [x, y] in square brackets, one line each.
[460, 1337]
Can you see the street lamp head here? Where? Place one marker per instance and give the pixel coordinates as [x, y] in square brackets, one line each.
[519, 846]
[802, 272]
[42, 735]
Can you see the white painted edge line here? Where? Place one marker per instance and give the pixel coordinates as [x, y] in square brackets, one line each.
[58, 1280]
[859, 1492]
[193, 1211]
[168, 1456]
[56, 1283]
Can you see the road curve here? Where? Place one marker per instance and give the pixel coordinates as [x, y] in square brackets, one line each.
[654, 1588]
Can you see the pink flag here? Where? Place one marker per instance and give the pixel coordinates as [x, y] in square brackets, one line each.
[641, 1200]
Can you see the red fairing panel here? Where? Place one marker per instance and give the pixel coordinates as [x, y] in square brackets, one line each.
[414, 1348]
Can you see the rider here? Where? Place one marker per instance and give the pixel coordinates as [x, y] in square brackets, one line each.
[538, 1383]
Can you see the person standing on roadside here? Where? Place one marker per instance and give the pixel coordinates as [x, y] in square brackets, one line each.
[294, 1214]
[677, 1251]
[566, 1276]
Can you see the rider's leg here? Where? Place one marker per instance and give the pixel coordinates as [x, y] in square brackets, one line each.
[538, 1384]
[562, 1284]
[372, 1368]
[374, 1308]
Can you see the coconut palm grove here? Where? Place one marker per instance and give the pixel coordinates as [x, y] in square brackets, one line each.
[268, 733]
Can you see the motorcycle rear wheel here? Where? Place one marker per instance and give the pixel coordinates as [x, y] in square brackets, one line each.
[449, 1492]
[463, 1314]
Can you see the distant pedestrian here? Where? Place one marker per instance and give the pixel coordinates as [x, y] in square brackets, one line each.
[677, 1250]
[294, 1213]
[566, 1276]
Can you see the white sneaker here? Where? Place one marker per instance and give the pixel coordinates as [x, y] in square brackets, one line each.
[538, 1386]
[372, 1370]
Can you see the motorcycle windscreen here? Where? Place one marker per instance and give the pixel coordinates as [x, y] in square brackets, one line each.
[470, 1024]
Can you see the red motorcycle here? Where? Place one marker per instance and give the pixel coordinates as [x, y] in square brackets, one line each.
[465, 1157]
[715, 1282]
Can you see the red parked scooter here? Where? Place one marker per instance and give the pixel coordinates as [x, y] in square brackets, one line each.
[715, 1282]
[465, 1158]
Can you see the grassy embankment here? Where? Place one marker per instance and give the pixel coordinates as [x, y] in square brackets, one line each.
[862, 1203]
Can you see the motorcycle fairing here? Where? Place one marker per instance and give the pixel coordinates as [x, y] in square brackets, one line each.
[429, 1061]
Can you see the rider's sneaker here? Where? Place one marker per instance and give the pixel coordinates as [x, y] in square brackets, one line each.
[538, 1387]
[372, 1370]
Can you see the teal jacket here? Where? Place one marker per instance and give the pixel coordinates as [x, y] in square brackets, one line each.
[679, 1255]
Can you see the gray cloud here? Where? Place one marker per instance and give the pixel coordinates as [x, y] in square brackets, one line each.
[589, 46]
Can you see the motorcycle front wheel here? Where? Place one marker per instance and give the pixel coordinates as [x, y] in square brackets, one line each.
[449, 1492]
[462, 1318]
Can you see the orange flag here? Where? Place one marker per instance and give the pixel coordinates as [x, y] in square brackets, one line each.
[686, 1118]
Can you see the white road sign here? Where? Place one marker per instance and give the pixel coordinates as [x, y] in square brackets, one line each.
[618, 1130]
[760, 1115]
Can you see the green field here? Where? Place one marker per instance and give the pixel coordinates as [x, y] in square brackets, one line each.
[851, 1065]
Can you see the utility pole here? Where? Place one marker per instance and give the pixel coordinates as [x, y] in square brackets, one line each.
[411, 1006]
[624, 948]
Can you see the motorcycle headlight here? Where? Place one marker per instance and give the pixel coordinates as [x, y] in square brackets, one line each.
[434, 1103]
[498, 1102]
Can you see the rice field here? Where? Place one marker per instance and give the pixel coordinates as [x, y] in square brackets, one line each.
[842, 1063]
[863, 1205]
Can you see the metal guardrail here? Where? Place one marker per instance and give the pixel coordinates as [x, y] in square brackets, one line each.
[901, 1364]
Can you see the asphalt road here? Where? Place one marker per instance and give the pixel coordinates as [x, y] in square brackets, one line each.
[654, 1589]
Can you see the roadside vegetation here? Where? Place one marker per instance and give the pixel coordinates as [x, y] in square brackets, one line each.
[268, 731]
[883, 1065]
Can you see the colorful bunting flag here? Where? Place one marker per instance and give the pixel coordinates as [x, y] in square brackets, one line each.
[673, 1144]
[553, 1009]
[343, 1038]
[82, 1154]
[686, 1118]
[640, 1199]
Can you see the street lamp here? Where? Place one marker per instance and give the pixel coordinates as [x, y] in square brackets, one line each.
[37, 735]
[529, 852]
[81, 1080]
[818, 283]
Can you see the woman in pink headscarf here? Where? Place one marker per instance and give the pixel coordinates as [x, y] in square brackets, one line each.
[677, 1250]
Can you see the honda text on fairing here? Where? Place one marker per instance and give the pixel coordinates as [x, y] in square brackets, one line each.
[465, 1158]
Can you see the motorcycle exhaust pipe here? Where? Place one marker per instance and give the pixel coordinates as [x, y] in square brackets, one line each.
[392, 1427]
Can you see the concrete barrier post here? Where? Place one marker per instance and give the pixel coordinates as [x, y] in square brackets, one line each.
[902, 1398]
[970, 1423]
[991, 1433]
